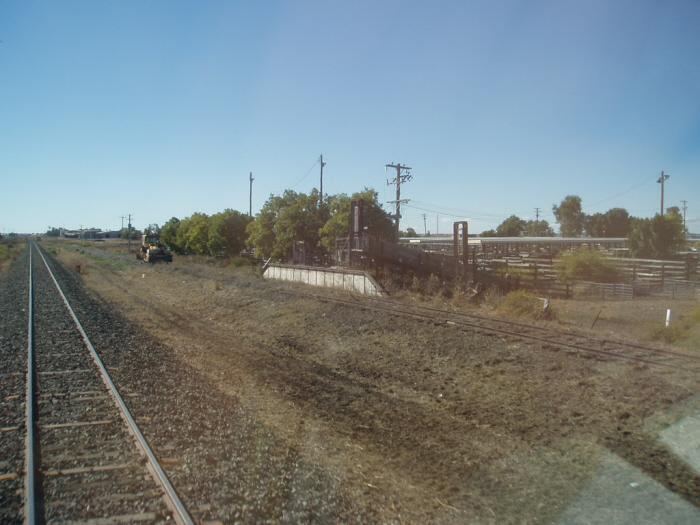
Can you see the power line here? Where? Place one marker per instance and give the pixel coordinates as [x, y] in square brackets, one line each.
[400, 177]
[307, 174]
[615, 196]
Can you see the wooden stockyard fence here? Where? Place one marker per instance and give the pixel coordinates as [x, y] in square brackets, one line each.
[679, 279]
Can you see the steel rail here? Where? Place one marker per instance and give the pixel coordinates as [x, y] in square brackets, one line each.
[30, 445]
[511, 333]
[181, 515]
[550, 330]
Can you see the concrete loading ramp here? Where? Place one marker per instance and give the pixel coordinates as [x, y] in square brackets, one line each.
[349, 280]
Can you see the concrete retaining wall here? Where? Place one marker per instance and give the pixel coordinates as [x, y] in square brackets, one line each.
[348, 280]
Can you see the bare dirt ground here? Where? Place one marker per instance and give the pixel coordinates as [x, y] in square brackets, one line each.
[418, 422]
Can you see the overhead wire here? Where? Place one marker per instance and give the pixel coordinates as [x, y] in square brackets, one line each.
[615, 196]
[307, 173]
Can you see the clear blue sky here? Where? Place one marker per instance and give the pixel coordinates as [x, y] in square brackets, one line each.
[163, 108]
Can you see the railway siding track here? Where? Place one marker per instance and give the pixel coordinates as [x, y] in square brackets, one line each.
[574, 342]
[84, 458]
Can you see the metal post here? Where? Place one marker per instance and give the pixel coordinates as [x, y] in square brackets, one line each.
[250, 212]
[661, 181]
[398, 180]
[320, 200]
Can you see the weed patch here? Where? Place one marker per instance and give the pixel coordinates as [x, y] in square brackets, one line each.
[522, 304]
[673, 333]
[587, 265]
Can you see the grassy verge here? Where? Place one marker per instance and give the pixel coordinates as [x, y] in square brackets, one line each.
[9, 251]
[642, 320]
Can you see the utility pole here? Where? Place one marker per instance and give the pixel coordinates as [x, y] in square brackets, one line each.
[684, 208]
[128, 234]
[437, 225]
[250, 209]
[122, 230]
[661, 181]
[400, 177]
[320, 199]
[425, 226]
[537, 214]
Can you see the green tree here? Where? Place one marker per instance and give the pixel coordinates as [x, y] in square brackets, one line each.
[198, 234]
[657, 238]
[152, 228]
[376, 220]
[587, 265]
[285, 219]
[619, 222]
[570, 217]
[489, 233]
[53, 232]
[673, 211]
[227, 232]
[193, 234]
[616, 222]
[134, 234]
[261, 231]
[513, 226]
[168, 235]
[537, 228]
[596, 225]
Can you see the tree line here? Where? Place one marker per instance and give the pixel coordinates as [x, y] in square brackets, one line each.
[659, 237]
[318, 223]
[283, 219]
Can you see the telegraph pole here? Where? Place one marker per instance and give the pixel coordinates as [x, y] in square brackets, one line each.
[250, 209]
[537, 214]
[122, 230]
[661, 181]
[684, 208]
[425, 226]
[128, 234]
[320, 200]
[402, 175]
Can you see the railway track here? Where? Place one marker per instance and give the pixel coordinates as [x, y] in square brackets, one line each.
[604, 348]
[85, 458]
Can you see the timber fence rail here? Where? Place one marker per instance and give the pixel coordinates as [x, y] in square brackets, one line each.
[682, 289]
[653, 272]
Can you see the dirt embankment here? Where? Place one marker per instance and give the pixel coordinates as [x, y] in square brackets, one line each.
[417, 421]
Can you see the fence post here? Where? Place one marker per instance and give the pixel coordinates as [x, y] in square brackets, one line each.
[663, 273]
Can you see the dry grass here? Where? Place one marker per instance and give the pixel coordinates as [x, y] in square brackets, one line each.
[523, 304]
[9, 251]
[642, 319]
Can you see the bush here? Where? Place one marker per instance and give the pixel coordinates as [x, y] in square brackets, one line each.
[522, 304]
[672, 333]
[695, 314]
[240, 262]
[587, 265]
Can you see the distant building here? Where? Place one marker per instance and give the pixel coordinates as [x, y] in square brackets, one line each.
[90, 234]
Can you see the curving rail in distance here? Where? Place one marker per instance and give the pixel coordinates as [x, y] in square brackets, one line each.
[608, 348]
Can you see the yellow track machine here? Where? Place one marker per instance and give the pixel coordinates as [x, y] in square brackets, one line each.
[152, 250]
